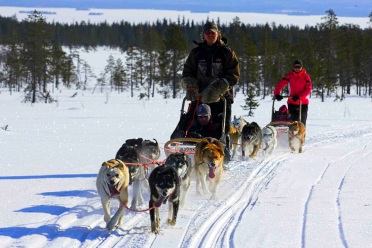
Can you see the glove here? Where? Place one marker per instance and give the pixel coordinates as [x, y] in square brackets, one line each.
[295, 98]
[191, 94]
[278, 97]
[195, 135]
[216, 88]
[190, 84]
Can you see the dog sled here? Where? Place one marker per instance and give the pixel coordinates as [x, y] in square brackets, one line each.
[188, 144]
[280, 119]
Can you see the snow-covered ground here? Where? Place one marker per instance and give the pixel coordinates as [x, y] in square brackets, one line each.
[70, 15]
[50, 156]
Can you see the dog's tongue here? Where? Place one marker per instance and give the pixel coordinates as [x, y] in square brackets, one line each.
[114, 190]
[211, 172]
[160, 201]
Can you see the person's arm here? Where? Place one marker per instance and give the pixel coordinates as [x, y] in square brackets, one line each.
[282, 82]
[189, 77]
[231, 69]
[308, 87]
[190, 68]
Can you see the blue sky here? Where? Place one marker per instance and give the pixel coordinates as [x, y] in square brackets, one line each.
[356, 8]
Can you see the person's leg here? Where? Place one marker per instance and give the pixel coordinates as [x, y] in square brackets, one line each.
[304, 113]
[294, 111]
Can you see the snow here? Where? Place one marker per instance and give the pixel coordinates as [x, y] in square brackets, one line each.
[151, 16]
[51, 153]
[50, 156]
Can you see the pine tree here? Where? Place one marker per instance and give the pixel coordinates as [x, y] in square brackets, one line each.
[175, 44]
[250, 103]
[36, 54]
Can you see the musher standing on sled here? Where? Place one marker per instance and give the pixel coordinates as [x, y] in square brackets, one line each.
[211, 70]
[299, 87]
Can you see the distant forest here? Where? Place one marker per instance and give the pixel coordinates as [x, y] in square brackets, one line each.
[33, 56]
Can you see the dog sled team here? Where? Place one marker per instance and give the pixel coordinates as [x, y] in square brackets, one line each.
[204, 138]
[170, 180]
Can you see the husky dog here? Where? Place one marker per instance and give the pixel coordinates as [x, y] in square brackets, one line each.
[236, 128]
[112, 182]
[269, 140]
[251, 139]
[208, 158]
[129, 155]
[147, 149]
[296, 132]
[164, 186]
[150, 150]
[182, 164]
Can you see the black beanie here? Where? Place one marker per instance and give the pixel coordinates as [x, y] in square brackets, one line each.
[298, 62]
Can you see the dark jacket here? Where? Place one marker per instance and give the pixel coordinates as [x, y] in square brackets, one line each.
[207, 62]
[211, 130]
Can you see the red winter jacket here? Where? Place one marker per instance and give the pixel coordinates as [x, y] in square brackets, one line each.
[299, 84]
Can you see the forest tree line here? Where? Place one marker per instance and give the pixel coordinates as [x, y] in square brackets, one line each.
[33, 55]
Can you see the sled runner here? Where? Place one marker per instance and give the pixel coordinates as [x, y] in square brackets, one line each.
[188, 142]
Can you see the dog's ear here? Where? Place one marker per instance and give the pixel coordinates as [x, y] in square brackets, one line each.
[156, 142]
[222, 153]
[202, 143]
[110, 163]
[121, 166]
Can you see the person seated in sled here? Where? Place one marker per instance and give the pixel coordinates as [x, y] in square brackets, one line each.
[211, 70]
[282, 114]
[203, 125]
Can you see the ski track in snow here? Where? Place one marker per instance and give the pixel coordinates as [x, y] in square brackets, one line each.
[203, 222]
[334, 136]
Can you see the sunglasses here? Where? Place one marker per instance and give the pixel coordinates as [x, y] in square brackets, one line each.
[203, 116]
[210, 33]
[298, 67]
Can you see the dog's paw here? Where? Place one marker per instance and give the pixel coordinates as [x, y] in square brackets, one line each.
[155, 228]
[171, 222]
[213, 197]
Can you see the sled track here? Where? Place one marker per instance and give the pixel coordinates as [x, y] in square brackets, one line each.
[203, 223]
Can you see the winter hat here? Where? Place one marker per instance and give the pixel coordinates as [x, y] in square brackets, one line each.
[210, 26]
[203, 109]
[298, 62]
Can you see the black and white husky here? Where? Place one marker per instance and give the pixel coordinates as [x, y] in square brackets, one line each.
[182, 164]
[164, 186]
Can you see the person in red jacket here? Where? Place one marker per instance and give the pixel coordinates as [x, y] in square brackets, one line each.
[299, 86]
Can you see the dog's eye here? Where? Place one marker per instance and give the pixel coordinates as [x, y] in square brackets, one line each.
[116, 175]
